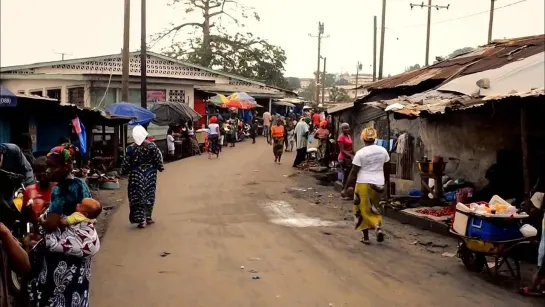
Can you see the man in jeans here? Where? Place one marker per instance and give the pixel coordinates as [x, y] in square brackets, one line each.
[267, 125]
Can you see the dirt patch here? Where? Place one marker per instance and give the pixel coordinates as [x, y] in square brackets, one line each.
[110, 201]
[326, 203]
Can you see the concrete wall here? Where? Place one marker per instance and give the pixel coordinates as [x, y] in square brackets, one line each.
[467, 140]
[188, 89]
[469, 143]
[27, 86]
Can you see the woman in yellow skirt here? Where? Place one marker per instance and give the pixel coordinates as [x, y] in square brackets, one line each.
[368, 174]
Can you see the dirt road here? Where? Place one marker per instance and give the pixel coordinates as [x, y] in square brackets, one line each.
[222, 222]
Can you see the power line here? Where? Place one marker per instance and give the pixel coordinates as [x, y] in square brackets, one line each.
[429, 6]
[320, 36]
[459, 18]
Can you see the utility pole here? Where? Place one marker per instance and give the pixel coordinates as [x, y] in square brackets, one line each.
[319, 36]
[491, 21]
[358, 68]
[143, 60]
[125, 60]
[374, 48]
[63, 54]
[429, 6]
[383, 27]
[323, 81]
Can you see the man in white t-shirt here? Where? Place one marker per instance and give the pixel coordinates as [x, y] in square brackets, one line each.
[368, 175]
[170, 144]
[267, 124]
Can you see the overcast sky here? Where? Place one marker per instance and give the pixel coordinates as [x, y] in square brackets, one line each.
[33, 30]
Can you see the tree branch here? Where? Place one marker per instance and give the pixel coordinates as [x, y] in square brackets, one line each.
[178, 28]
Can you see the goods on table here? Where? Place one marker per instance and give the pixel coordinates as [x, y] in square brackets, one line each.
[493, 221]
[446, 211]
[497, 207]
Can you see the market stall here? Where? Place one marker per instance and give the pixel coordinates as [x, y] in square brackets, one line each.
[181, 119]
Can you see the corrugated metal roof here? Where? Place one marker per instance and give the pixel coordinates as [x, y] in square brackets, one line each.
[340, 107]
[491, 56]
[283, 103]
[520, 76]
[95, 114]
[149, 53]
[437, 102]
[256, 92]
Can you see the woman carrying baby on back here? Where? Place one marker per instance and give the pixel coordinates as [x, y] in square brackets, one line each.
[61, 274]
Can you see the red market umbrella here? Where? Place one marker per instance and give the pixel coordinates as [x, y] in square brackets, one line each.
[244, 105]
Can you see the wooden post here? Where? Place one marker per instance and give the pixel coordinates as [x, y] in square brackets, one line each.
[90, 139]
[270, 105]
[524, 145]
[125, 136]
[387, 179]
[115, 142]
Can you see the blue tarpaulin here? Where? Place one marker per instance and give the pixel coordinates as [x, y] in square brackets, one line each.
[7, 98]
[139, 115]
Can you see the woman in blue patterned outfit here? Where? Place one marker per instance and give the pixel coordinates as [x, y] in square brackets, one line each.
[142, 161]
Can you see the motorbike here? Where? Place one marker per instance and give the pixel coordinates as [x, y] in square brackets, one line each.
[241, 134]
[246, 129]
[14, 216]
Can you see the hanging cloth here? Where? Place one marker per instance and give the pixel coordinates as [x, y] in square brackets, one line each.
[82, 139]
[76, 128]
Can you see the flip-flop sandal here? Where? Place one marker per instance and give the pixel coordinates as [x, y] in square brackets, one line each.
[527, 292]
[380, 236]
[366, 242]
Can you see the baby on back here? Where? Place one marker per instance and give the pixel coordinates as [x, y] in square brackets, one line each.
[76, 235]
[86, 211]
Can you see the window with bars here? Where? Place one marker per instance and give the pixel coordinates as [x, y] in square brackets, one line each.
[176, 96]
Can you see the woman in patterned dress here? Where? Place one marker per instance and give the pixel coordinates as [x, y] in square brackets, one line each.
[142, 161]
[277, 132]
[60, 279]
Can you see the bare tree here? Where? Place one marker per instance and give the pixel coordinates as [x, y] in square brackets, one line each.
[209, 44]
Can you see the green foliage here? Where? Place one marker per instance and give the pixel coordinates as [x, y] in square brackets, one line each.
[457, 52]
[293, 83]
[412, 67]
[208, 43]
[330, 79]
[342, 82]
[338, 94]
[309, 93]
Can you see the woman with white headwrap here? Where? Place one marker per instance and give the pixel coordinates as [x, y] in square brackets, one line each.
[142, 161]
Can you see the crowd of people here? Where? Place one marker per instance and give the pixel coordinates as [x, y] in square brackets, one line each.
[184, 133]
[53, 258]
[364, 172]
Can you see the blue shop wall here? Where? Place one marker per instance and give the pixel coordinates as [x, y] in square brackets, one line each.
[49, 131]
[4, 130]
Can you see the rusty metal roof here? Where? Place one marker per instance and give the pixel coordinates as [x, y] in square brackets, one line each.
[494, 55]
[438, 102]
[340, 107]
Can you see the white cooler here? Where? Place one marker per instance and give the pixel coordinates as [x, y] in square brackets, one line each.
[461, 219]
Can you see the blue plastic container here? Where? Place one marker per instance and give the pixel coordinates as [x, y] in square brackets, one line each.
[493, 229]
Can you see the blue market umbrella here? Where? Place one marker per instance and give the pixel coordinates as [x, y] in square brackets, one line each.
[140, 115]
[7, 98]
